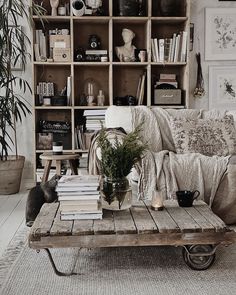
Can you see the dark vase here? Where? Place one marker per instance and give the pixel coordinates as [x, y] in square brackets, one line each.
[169, 7]
[116, 194]
[128, 7]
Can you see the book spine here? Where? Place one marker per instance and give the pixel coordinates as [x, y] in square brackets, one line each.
[184, 46]
[153, 52]
[161, 50]
[173, 47]
[156, 50]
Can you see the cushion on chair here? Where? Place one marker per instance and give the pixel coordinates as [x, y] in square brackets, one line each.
[206, 136]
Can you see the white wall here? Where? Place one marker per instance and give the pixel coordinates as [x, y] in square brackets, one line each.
[198, 18]
[26, 133]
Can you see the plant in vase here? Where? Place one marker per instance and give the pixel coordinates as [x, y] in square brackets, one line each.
[118, 156]
[13, 105]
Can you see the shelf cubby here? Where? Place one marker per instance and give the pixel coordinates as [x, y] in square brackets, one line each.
[99, 75]
[126, 79]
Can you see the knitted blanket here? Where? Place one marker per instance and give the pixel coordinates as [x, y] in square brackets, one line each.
[166, 171]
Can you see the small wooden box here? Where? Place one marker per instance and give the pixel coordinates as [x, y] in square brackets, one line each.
[44, 141]
[167, 96]
[61, 54]
[59, 41]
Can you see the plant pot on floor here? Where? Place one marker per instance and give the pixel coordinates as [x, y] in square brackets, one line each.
[10, 174]
[116, 194]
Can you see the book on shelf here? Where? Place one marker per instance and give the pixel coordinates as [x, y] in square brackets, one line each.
[183, 55]
[36, 52]
[78, 181]
[172, 83]
[141, 88]
[169, 52]
[176, 49]
[79, 137]
[172, 49]
[97, 112]
[166, 80]
[161, 50]
[68, 90]
[156, 50]
[168, 76]
[167, 45]
[96, 52]
[153, 52]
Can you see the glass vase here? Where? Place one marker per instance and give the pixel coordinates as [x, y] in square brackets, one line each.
[116, 194]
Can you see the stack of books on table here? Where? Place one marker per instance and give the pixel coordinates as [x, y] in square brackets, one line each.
[79, 197]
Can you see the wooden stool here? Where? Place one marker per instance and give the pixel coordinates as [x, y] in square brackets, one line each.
[49, 157]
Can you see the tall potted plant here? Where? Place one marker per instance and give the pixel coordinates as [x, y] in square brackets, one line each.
[14, 45]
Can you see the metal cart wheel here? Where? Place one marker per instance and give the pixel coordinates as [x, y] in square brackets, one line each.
[199, 257]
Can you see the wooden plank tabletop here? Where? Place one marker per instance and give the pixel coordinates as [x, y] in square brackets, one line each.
[139, 219]
[43, 223]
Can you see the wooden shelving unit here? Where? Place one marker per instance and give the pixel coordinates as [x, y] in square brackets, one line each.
[114, 78]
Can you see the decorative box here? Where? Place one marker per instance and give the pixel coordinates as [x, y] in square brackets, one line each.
[61, 54]
[59, 41]
[167, 96]
[44, 141]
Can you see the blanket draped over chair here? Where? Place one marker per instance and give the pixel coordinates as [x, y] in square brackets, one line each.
[163, 170]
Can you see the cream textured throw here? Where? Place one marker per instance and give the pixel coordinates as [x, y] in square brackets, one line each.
[166, 171]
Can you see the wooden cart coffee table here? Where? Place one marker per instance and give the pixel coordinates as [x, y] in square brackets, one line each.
[197, 229]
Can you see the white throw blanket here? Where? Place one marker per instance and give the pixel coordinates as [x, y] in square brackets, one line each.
[166, 171]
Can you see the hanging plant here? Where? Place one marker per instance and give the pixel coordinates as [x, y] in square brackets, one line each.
[199, 90]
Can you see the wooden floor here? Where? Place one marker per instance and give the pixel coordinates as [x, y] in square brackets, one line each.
[12, 216]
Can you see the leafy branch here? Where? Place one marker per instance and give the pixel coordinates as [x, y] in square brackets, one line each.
[118, 156]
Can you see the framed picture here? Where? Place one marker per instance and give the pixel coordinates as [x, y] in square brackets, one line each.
[220, 33]
[222, 87]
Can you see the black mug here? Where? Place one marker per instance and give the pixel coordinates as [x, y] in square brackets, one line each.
[186, 198]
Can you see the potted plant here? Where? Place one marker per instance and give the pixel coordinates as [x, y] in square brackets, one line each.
[118, 156]
[14, 45]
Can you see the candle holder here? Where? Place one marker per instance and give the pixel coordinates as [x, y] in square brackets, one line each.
[57, 148]
[157, 201]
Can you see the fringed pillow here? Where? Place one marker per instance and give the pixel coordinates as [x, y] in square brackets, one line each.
[205, 136]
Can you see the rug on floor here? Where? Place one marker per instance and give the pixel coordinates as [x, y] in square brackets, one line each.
[113, 271]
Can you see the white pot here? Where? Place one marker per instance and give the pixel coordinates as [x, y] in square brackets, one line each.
[78, 11]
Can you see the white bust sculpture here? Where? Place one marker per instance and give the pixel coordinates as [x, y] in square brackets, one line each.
[126, 52]
[54, 4]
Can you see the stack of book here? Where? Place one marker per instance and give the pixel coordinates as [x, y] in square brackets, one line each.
[95, 119]
[170, 49]
[167, 81]
[79, 197]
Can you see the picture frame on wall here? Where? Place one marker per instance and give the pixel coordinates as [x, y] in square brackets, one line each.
[220, 33]
[222, 87]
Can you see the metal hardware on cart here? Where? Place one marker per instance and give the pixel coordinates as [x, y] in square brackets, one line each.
[199, 257]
